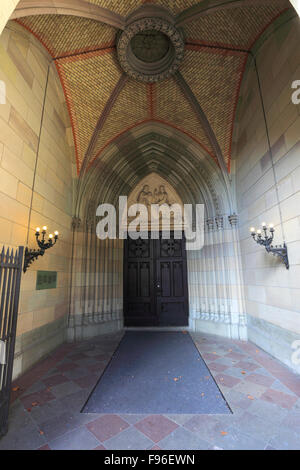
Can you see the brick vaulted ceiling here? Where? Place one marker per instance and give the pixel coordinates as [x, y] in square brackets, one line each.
[100, 97]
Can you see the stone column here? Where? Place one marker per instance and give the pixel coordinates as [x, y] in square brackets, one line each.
[238, 318]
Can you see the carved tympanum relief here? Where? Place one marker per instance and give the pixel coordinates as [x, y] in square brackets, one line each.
[153, 189]
[148, 196]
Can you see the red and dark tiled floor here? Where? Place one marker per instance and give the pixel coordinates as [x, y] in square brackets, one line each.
[264, 397]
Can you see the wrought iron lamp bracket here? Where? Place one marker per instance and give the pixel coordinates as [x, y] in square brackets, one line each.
[31, 255]
[277, 250]
[281, 252]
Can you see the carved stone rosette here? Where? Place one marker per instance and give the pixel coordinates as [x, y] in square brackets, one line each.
[147, 70]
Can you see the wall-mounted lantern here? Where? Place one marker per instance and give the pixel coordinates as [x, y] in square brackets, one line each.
[32, 255]
[265, 239]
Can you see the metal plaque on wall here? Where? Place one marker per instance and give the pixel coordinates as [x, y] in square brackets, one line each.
[46, 280]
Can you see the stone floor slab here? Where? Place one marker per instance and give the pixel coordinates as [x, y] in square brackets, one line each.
[183, 439]
[130, 439]
[78, 439]
[156, 427]
[107, 426]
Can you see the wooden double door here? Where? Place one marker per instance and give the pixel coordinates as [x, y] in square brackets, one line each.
[155, 282]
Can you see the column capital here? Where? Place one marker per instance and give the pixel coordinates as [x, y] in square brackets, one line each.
[210, 224]
[219, 222]
[233, 219]
[76, 222]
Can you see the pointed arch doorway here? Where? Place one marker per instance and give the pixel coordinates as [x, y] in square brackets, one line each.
[155, 270]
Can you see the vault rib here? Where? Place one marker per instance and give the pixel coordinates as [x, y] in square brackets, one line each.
[104, 115]
[191, 14]
[78, 8]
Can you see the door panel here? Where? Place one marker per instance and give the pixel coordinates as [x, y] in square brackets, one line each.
[165, 278]
[145, 279]
[178, 276]
[172, 313]
[155, 283]
[133, 279]
[139, 305]
[171, 272]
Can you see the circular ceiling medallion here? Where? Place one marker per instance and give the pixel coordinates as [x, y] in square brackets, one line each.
[150, 46]
[150, 49]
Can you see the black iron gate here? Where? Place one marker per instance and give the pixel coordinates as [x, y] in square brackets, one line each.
[10, 277]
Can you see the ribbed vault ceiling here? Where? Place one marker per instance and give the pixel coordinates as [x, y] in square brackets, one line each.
[104, 103]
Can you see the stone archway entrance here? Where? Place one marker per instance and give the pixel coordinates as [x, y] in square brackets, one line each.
[215, 297]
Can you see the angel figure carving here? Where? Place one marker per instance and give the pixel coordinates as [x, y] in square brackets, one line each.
[145, 196]
[161, 196]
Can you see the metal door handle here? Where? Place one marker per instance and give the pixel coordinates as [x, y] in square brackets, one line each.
[158, 288]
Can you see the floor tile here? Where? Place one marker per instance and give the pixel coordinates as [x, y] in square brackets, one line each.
[227, 361]
[60, 424]
[29, 438]
[132, 419]
[37, 398]
[156, 427]
[102, 357]
[279, 398]
[285, 439]
[66, 366]
[88, 381]
[53, 408]
[97, 368]
[76, 373]
[45, 447]
[253, 425]
[260, 379]
[75, 401]
[78, 439]
[130, 439]
[237, 373]
[64, 389]
[77, 356]
[247, 366]
[36, 387]
[179, 419]
[226, 380]
[238, 401]
[107, 426]
[86, 362]
[55, 380]
[235, 440]
[235, 356]
[183, 439]
[208, 357]
[206, 426]
[292, 421]
[280, 387]
[251, 389]
[217, 367]
[268, 411]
